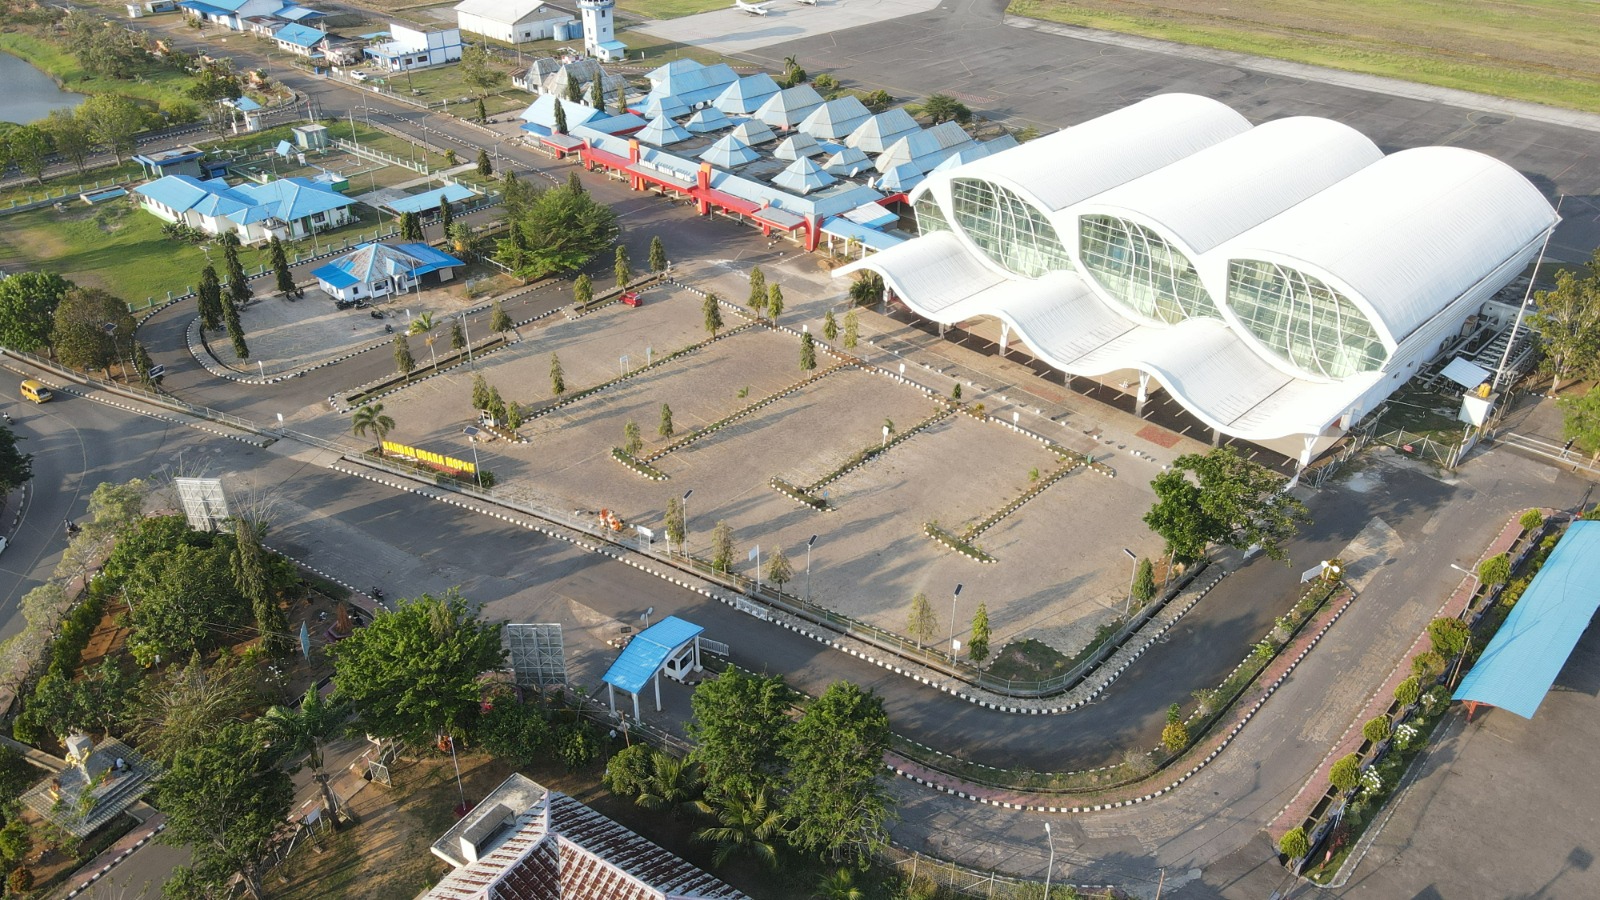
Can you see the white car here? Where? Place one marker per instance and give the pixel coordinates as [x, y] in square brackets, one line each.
[358, 76]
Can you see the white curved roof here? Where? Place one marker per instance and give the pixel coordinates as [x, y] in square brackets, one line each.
[1408, 234]
[1232, 186]
[1070, 166]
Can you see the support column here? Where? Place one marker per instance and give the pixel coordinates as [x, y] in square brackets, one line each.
[697, 666]
[611, 697]
[1144, 394]
[1216, 438]
[1005, 337]
[636, 717]
[1308, 442]
[657, 680]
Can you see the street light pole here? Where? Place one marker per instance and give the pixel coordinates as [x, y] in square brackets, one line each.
[468, 338]
[1128, 603]
[1051, 868]
[952, 645]
[685, 547]
[808, 567]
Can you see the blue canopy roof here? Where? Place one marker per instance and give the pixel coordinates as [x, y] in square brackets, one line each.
[841, 227]
[427, 200]
[299, 35]
[644, 655]
[1518, 667]
[373, 262]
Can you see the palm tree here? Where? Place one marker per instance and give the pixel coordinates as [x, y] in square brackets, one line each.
[747, 825]
[306, 730]
[371, 417]
[423, 325]
[674, 783]
[840, 884]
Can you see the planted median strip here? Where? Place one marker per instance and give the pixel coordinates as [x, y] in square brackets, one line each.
[607, 385]
[808, 494]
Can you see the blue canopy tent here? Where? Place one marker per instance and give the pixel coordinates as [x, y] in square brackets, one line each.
[671, 645]
[1530, 649]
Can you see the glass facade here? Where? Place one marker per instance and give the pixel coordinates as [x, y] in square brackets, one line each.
[1009, 230]
[1303, 320]
[930, 217]
[1141, 270]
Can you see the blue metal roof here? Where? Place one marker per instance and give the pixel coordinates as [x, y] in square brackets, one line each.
[287, 198]
[428, 200]
[335, 276]
[299, 13]
[1518, 667]
[372, 262]
[839, 226]
[206, 8]
[643, 656]
[299, 35]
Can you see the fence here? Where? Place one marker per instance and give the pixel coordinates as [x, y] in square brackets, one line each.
[420, 168]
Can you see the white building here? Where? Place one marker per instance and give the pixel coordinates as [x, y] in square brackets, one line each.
[599, 31]
[409, 48]
[1279, 281]
[511, 21]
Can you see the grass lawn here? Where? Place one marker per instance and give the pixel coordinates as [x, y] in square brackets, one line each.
[1535, 50]
[669, 9]
[155, 83]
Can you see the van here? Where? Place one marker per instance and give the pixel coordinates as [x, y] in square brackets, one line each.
[33, 390]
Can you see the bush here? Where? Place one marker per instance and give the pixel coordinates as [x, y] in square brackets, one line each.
[515, 731]
[1495, 570]
[1427, 666]
[629, 772]
[1377, 729]
[1174, 737]
[1406, 692]
[1346, 773]
[576, 745]
[1449, 636]
[1532, 520]
[20, 881]
[1294, 843]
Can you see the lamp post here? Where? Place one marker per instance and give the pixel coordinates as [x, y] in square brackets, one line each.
[813, 540]
[468, 338]
[1051, 868]
[1127, 604]
[685, 547]
[952, 645]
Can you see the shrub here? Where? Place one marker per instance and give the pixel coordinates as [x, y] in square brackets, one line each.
[1532, 520]
[1294, 844]
[1449, 636]
[20, 881]
[1427, 666]
[1406, 692]
[1377, 729]
[1495, 570]
[1346, 773]
[576, 745]
[1174, 737]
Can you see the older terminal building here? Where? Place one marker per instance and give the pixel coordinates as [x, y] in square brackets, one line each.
[1279, 280]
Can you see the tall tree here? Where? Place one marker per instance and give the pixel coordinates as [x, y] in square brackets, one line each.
[665, 429]
[722, 547]
[1144, 582]
[558, 231]
[485, 167]
[597, 92]
[978, 643]
[410, 227]
[713, 314]
[238, 284]
[372, 418]
[16, 467]
[498, 319]
[252, 577]
[558, 378]
[226, 801]
[208, 299]
[446, 215]
[779, 570]
[70, 136]
[478, 70]
[830, 327]
[758, 290]
[739, 722]
[183, 601]
[839, 809]
[623, 268]
[808, 352]
[458, 335]
[230, 317]
[658, 254]
[306, 730]
[575, 183]
[583, 290]
[561, 111]
[280, 266]
[1224, 498]
[114, 120]
[413, 673]
[632, 442]
[774, 302]
[30, 150]
[81, 336]
[675, 523]
[921, 622]
[404, 362]
[852, 330]
[28, 303]
[1567, 321]
[483, 118]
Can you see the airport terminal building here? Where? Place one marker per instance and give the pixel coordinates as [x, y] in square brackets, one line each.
[1279, 280]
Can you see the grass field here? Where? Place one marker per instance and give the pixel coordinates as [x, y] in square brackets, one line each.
[670, 9]
[156, 84]
[1537, 50]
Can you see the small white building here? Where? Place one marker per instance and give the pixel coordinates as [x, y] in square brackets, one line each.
[511, 21]
[409, 48]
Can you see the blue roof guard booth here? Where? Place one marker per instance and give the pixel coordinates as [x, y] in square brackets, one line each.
[672, 645]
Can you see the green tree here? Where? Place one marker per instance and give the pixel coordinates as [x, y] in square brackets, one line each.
[739, 722]
[838, 807]
[675, 523]
[713, 314]
[478, 70]
[852, 330]
[583, 290]
[774, 302]
[1567, 322]
[597, 93]
[498, 319]
[561, 113]
[485, 166]
[515, 731]
[404, 362]
[483, 117]
[16, 467]
[629, 770]
[558, 380]
[922, 622]
[830, 327]
[280, 266]
[180, 712]
[1294, 844]
[558, 230]
[305, 731]
[808, 352]
[238, 284]
[252, 576]
[413, 673]
[30, 150]
[1144, 582]
[1449, 636]
[779, 570]
[1581, 420]
[480, 392]
[458, 335]
[70, 136]
[450, 159]
[183, 600]
[446, 215]
[623, 268]
[1346, 773]
[1377, 729]
[371, 417]
[632, 443]
[1407, 691]
[208, 299]
[410, 227]
[114, 120]
[1231, 500]
[28, 302]
[658, 254]
[758, 290]
[945, 108]
[225, 801]
[1532, 520]
[746, 826]
[978, 643]
[665, 428]
[722, 547]
[1427, 666]
[230, 317]
[673, 785]
[1495, 570]
[88, 322]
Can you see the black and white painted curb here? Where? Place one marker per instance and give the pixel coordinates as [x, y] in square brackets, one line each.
[253, 440]
[99, 873]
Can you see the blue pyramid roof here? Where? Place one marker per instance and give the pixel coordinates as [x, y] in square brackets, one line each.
[708, 120]
[746, 95]
[662, 131]
[729, 152]
[803, 176]
[847, 162]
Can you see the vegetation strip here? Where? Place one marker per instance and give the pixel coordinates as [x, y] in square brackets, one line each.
[714, 427]
[634, 373]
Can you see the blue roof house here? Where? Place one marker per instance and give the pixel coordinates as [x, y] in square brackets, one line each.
[380, 270]
[233, 14]
[289, 208]
[301, 40]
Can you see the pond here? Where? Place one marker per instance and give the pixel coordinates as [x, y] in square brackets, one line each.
[30, 94]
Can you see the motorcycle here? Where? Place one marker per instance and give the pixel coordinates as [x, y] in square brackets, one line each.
[388, 329]
[72, 528]
[376, 314]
